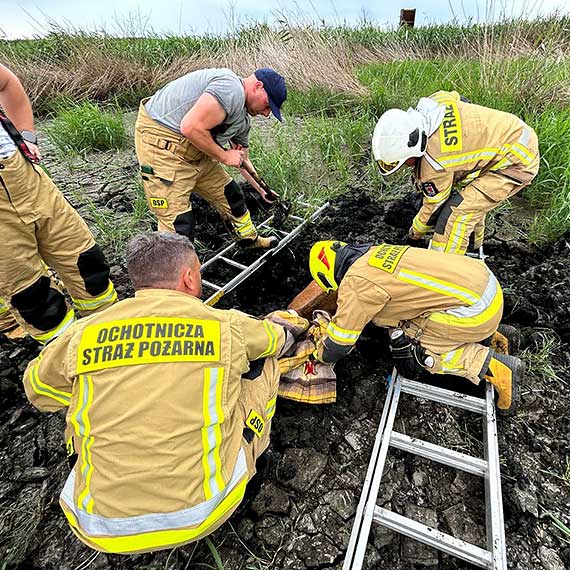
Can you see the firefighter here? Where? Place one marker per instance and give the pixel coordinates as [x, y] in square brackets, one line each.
[438, 309]
[169, 404]
[40, 227]
[466, 160]
[180, 135]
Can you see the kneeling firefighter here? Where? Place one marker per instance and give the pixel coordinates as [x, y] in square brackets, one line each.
[170, 404]
[40, 228]
[438, 307]
[466, 160]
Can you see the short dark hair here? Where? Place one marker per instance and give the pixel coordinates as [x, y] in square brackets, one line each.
[157, 258]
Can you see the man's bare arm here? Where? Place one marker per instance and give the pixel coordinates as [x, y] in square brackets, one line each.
[14, 100]
[206, 114]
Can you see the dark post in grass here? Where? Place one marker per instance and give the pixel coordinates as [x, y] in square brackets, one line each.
[407, 17]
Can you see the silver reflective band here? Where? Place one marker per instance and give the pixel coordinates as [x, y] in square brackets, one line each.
[97, 525]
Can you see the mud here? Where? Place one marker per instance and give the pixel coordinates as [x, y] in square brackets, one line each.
[300, 516]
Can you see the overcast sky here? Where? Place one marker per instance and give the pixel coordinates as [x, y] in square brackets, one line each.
[27, 18]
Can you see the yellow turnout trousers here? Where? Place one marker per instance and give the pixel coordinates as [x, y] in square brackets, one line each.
[41, 228]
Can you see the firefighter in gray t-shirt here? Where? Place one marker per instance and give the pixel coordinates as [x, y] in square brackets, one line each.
[181, 132]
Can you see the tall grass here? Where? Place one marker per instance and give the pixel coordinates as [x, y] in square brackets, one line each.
[84, 127]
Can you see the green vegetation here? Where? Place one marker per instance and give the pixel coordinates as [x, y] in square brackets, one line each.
[340, 80]
[84, 127]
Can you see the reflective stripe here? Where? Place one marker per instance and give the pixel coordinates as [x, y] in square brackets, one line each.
[109, 296]
[244, 226]
[154, 530]
[449, 361]
[439, 286]
[272, 344]
[490, 303]
[489, 153]
[455, 241]
[342, 336]
[270, 408]
[43, 389]
[211, 432]
[57, 331]
[419, 226]
[80, 420]
[437, 245]
[3, 307]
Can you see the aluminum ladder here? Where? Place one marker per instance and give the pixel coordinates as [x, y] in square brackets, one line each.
[246, 270]
[494, 558]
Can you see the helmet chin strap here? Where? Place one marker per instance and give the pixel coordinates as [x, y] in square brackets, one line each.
[432, 114]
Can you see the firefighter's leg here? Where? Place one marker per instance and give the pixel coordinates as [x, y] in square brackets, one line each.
[256, 408]
[67, 245]
[38, 306]
[168, 180]
[224, 194]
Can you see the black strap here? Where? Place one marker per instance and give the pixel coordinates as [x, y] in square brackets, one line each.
[15, 135]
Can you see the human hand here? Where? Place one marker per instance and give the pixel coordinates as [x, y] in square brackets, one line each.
[34, 149]
[234, 157]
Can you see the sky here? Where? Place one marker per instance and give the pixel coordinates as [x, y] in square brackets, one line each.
[29, 18]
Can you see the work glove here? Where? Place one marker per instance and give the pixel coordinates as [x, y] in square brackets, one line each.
[414, 235]
[319, 325]
[290, 321]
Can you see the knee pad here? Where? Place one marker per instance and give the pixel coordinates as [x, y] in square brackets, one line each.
[40, 305]
[94, 270]
[184, 225]
[236, 199]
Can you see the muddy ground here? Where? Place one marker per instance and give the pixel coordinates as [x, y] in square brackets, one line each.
[301, 516]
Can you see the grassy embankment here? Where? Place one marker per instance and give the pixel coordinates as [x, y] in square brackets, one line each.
[341, 80]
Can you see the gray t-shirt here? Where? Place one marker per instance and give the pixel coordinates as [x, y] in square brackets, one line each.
[169, 105]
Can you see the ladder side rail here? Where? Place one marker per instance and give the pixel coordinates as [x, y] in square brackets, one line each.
[233, 283]
[365, 493]
[493, 496]
[370, 504]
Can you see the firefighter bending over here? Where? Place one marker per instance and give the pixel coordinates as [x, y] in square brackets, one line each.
[180, 136]
[39, 227]
[170, 404]
[438, 307]
[466, 159]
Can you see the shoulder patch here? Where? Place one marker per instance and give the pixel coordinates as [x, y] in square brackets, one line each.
[429, 189]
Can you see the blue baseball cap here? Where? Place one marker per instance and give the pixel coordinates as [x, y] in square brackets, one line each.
[274, 85]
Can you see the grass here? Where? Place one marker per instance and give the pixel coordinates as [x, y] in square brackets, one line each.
[113, 233]
[79, 128]
[539, 360]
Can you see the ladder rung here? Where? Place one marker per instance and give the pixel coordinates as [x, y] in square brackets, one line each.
[443, 396]
[440, 454]
[233, 263]
[298, 218]
[433, 537]
[212, 285]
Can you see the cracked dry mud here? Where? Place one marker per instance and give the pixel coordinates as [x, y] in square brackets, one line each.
[301, 516]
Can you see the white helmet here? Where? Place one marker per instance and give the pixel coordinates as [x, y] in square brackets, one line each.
[398, 136]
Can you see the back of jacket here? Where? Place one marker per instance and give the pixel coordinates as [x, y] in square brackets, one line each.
[394, 283]
[152, 385]
[471, 141]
